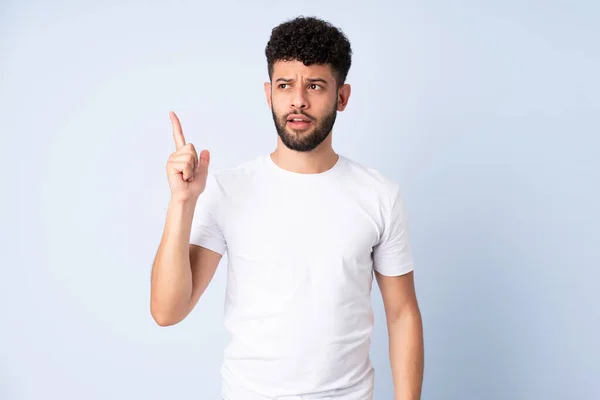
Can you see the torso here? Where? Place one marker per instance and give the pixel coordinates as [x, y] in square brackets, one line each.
[299, 280]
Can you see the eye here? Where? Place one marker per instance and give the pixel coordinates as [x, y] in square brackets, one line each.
[314, 86]
[281, 85]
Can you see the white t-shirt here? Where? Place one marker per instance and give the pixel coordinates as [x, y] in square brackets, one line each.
[301, 251]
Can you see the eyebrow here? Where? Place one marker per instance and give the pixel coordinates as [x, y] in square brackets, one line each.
[311, 80]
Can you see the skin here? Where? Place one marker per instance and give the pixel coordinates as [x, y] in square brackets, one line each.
[293, 90]
[405, 334]
[181, 272]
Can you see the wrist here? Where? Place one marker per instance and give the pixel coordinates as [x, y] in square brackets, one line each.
[182, 206]
[183, 202]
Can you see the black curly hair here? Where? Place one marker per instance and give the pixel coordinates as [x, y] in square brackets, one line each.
[312, 41]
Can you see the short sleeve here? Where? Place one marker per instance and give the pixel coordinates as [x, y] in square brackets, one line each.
[206, 231]
[392, 255]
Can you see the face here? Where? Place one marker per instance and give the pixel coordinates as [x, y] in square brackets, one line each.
[304, 102]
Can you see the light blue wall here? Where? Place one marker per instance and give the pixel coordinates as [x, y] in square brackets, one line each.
[486, 113]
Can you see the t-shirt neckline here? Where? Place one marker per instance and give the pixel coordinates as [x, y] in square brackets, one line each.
[312, 176]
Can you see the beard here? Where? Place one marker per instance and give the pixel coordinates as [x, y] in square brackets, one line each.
[307, 140]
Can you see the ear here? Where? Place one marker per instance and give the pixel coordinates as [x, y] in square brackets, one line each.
[268, 93]
[343, 96]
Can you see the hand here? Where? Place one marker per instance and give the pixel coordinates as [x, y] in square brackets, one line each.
[186, 171]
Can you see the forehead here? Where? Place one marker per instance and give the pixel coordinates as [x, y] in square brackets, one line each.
[293, 69]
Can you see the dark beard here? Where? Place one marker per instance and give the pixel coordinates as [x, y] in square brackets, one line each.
[306, 142]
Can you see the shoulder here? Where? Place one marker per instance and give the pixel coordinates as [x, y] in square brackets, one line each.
[373, 180]
[227, 178]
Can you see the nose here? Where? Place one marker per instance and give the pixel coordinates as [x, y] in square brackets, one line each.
[299, 99]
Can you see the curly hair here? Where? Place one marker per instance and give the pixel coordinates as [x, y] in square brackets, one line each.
[312, 41]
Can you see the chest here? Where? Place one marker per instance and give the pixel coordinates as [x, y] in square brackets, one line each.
[301, 224]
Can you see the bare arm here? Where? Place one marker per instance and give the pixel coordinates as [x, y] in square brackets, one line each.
[181, 272]
[405, 331]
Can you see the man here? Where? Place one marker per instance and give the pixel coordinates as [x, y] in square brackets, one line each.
[305, 230]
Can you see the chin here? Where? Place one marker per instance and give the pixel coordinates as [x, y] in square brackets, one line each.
[300, 133]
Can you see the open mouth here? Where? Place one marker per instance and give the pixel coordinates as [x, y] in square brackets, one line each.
[298, 122]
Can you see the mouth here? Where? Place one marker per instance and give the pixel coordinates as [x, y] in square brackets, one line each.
[298, 122]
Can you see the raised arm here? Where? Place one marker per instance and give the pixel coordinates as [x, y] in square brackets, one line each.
[181, 271]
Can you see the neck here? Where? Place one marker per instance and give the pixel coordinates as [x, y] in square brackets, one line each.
[319, 160]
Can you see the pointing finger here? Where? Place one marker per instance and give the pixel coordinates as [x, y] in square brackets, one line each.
[177, 131]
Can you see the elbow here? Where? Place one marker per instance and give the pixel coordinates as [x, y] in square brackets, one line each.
[163, 317]
[164, 321]
[408, 314]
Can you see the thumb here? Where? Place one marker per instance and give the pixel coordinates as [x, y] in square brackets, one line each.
[203, 160]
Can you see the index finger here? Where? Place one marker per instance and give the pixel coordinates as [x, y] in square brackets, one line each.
[177, 132]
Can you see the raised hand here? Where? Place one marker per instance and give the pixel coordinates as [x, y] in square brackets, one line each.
[186, 171]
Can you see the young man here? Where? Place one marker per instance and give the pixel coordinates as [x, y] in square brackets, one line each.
[305, 230]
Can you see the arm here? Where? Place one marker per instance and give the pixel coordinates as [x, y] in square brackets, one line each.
[181, 271]
[405, 331]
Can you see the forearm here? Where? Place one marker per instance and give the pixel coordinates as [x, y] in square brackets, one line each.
[407, 355]
[171, 287]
